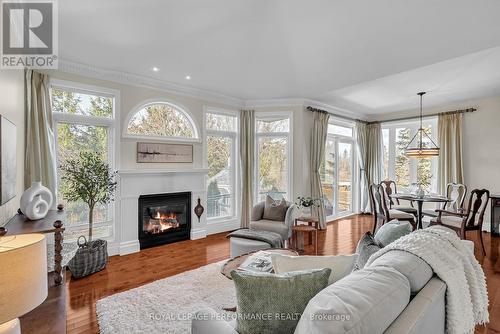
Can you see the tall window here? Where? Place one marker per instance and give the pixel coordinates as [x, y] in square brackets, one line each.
[84, 121]
[408, 172]
[337, 169]
[273, 156]
[161, 120]
[221, 155]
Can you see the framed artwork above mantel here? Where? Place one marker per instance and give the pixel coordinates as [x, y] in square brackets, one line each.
[164, 153]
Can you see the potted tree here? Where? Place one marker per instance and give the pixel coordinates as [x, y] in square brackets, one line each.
[88, 178]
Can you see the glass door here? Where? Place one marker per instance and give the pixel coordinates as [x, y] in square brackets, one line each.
[337, 177]
[328, 181]
[344, 176]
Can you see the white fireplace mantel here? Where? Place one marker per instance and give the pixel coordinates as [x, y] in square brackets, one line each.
[126, 172]
[133, 183]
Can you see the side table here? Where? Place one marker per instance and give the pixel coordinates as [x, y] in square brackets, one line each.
[299, 231]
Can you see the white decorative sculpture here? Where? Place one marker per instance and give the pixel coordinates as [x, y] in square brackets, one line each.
[36, 201]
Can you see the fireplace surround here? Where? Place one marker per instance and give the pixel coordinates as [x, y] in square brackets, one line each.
[164, 218]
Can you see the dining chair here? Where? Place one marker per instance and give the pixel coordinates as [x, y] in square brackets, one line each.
[381, 211]
[470, 219]
[456, 192]
[389, 187]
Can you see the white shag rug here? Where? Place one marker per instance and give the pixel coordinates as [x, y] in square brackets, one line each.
[166, 305]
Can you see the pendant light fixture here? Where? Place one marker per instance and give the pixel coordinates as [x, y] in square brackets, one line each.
[417, 148]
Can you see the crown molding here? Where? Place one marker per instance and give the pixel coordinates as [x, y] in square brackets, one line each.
[294, 102]
[263, 103]
[143, 81]
[335, 110]
[129, 79]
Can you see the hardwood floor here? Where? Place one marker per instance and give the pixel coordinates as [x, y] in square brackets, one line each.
[130, 271]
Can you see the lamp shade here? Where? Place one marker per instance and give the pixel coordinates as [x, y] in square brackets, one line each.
[424, 152]
[23, 274]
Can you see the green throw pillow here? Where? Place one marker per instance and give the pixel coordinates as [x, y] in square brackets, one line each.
[392, 231]
[365, 248]
[270, 303]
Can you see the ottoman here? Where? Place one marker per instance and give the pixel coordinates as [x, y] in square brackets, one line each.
[240, 246]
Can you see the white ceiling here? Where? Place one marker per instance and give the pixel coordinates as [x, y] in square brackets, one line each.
[365, 56]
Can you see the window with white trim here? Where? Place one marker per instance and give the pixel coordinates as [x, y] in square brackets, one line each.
[221, 141]
[405, 171]
[337, 170]
[161, 120]
[84, 120]
[273, 155]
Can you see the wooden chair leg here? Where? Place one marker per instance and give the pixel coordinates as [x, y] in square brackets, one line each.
[375, 222]
[482, 244]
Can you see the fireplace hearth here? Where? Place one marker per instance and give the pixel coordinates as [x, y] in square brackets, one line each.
[164, 218]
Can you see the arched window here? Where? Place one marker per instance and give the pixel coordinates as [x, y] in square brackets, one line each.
[161, 120]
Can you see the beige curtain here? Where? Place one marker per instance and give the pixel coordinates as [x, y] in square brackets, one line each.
[318, 142]
[247, 143]
[39, 159]
[450, 167]
[369, 141]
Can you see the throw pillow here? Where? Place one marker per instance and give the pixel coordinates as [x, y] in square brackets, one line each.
[275, 210]
[365, 248]
[270, 303]
[392, 231]
[341, 265]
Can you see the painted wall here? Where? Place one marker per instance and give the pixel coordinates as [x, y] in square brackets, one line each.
[132, 96]
[481, 143]
[12, 108]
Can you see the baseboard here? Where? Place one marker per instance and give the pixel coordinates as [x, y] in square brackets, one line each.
[222, 227]
[113, 248]
[198, 234]
[129, 247]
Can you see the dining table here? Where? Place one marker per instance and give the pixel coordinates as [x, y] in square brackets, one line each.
[420, 200]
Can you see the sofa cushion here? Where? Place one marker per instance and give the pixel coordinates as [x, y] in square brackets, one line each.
[269, 303]
[275, 210]
[365, 248]
[392, 231]
[341, 265]
[272, 226]
[367, 301]
[416, 270]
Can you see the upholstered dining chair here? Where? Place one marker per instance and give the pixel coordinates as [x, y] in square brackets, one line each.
[389, 187]
[454, 191]
[470, 219]
[381, 211]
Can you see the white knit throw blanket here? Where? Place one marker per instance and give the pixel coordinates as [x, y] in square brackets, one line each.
[455, 264]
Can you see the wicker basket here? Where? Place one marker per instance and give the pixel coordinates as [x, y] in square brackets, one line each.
[90, 257]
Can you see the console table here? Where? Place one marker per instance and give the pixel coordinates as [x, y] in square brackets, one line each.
[52, 223]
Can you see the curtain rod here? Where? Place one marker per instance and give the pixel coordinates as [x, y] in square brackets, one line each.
[452, 112]
[339, 116]
[459, 111]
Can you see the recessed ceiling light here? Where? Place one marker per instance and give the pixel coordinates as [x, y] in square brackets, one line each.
[188, 77]
[155, 69]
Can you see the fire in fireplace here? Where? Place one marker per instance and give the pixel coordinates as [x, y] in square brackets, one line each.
[164, 218]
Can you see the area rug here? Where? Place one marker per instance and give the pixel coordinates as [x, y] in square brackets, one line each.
[166, 305]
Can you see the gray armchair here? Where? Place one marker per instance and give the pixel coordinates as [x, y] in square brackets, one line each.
[283, 228]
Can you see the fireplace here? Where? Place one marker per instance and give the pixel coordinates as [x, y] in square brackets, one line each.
[164, 218]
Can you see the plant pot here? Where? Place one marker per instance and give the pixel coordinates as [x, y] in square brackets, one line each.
[306, 211]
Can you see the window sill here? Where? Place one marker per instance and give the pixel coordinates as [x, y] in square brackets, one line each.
[220, 220]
